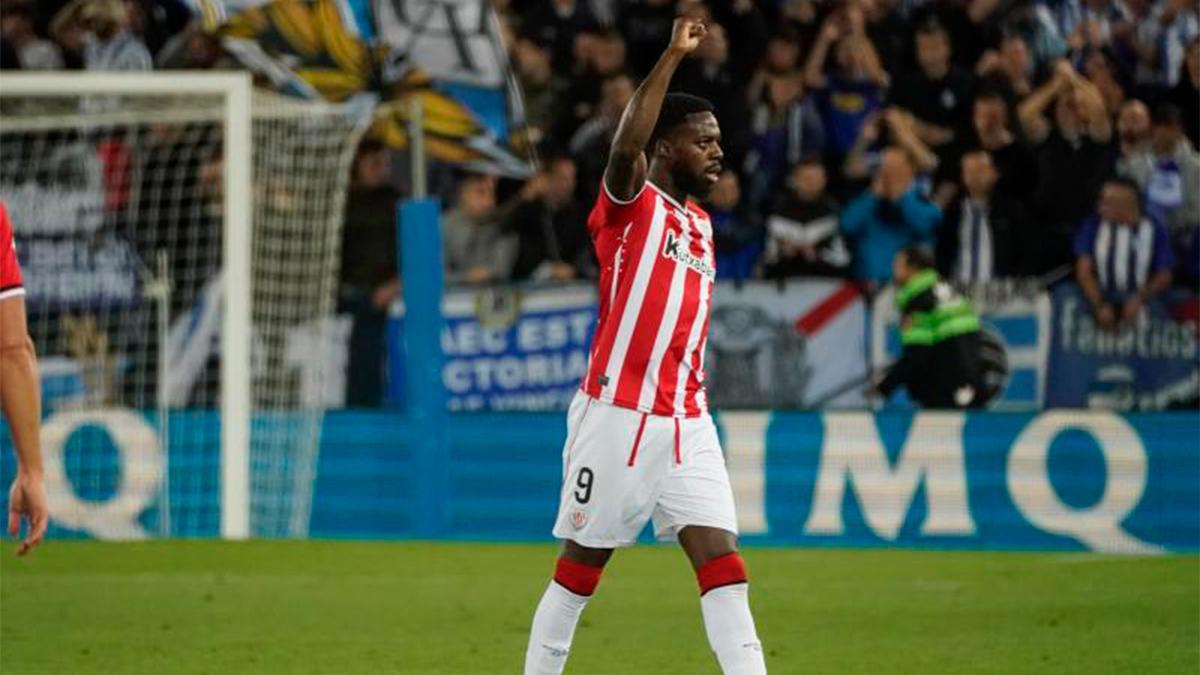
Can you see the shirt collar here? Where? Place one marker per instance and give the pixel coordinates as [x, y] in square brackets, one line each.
[669, 198]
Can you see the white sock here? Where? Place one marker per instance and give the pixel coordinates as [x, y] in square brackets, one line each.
[731, 631]
[553, 628]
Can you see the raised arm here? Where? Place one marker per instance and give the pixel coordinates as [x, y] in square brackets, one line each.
[979, 11]
[871, 63]
[855, 166]
[1094, 110]
[66, 19]
[814, 67]
[626, 170]
[1032, 111]
[902, 126]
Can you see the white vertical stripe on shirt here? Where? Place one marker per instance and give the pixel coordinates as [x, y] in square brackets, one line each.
[666, 327]
[1181, 32]
[693, 339]
[970, 268]
[1101, 251]
[633, 304]
[616, 275]
[1144, 252]
[1121, 258]
[965, 241]
[985, 246]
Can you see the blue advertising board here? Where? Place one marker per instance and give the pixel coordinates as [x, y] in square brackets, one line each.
[1064, 480]
[1152, 365]
[507, 348]
[1059, 480]
[526, 347]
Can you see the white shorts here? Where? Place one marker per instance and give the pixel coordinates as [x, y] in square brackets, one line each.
[622, 467]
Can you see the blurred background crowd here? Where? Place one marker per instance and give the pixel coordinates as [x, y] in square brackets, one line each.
[987, 128]
[1047, 139]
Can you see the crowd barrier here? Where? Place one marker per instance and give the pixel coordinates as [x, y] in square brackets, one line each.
[1057, 480]
[806, 343]
[770, 346]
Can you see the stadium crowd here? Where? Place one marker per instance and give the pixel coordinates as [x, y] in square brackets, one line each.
[988, 128]
[1018, 138]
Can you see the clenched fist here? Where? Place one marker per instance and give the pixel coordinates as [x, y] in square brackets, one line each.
[687, 34]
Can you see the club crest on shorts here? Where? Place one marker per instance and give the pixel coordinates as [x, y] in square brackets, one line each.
[578, 519]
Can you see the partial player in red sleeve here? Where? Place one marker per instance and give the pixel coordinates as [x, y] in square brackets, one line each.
[641, 445]
[11, 284]
[20, 397]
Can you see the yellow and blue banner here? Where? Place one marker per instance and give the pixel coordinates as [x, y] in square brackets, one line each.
[450, 55]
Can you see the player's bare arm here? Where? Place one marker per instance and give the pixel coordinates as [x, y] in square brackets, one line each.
[626, 171]
[21, 400]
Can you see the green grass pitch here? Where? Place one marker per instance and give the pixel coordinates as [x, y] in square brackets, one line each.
[343, 608]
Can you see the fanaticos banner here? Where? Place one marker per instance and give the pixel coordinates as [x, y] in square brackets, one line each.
[1152, 365]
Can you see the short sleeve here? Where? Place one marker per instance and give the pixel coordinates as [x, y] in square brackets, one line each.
[1163, 257]
[1085, 239]
[610, 211]
[11, 282]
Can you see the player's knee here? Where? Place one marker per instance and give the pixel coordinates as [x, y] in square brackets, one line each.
[703, 544]
[723, 570]
[592, 557]
[577, 577]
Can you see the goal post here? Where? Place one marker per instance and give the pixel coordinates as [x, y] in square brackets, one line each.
[235, 325]
[146, 148]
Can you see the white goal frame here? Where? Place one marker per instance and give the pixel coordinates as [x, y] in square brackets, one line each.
[235, 90]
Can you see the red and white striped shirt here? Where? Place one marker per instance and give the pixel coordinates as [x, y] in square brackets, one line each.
[656, 280]
[10, 272]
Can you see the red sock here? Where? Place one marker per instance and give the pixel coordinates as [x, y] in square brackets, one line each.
[576, 577]
[721, 571]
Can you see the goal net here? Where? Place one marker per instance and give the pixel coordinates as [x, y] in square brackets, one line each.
[179, 238]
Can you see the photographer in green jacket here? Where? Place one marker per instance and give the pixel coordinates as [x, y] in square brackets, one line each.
[947, 362]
